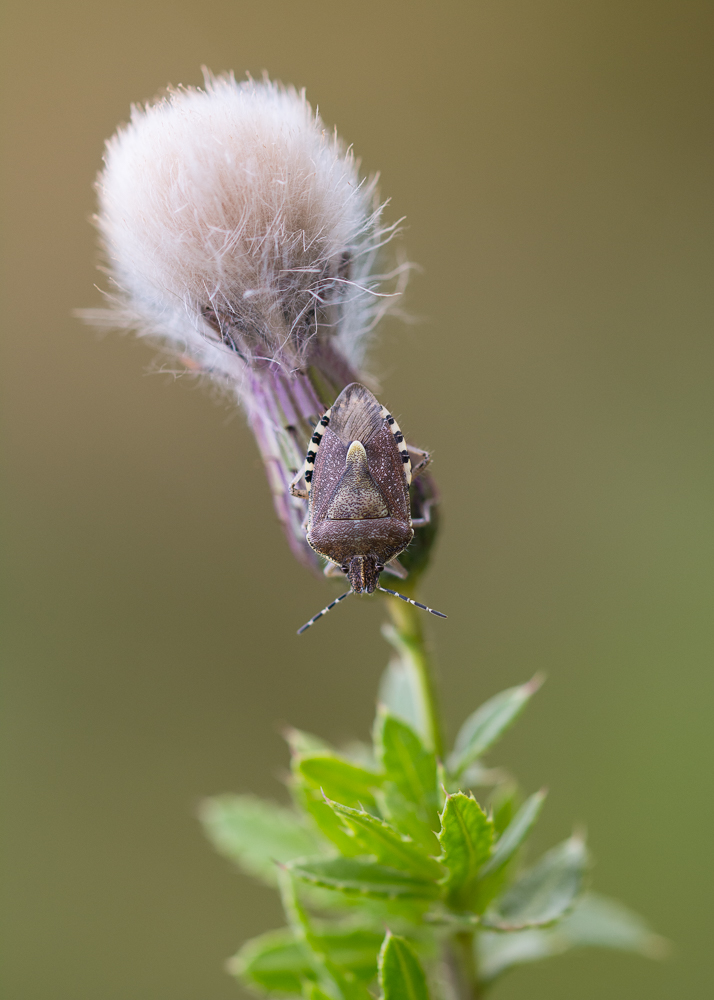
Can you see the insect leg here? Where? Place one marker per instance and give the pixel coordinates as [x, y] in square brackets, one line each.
[420, 459]
[295, 490]
[420, 522]
[395, 568]
[422, 497]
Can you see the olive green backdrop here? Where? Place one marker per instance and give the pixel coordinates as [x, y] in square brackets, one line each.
[553, 160]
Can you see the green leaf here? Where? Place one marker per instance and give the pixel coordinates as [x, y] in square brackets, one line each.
[279, 954]
[386, 844]
[516, 832]
[255, 833]
[341, 988]
[466, 837]
[493, 873]
[313, 992]
[476, 775]
[407, 818]
[408, 765]
[294, 910]
[339, 779]
[350, 875]
[488, 723]
[401, 977]
[545, 893]
[359, 752]
[504, 803]
[274, 962]
[601, 922]
[594, 922]
[500, 952]
[336, 982]
[353, 949]
[312, 800]
[302, 743]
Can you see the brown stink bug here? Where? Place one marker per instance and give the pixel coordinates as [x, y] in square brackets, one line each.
[357, 475]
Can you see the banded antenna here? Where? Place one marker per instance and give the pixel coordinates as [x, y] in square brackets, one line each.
[323, 612]
[385, 590]
[416, 604]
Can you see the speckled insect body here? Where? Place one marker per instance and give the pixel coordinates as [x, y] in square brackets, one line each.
[357, 474]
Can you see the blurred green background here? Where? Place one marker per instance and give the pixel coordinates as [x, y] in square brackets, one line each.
[554, 163]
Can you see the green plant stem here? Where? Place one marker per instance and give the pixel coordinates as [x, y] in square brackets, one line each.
[464, 943]
[408, 622]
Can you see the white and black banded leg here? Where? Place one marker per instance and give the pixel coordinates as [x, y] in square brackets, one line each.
[408, 600]
[325, 610]
[399, 438]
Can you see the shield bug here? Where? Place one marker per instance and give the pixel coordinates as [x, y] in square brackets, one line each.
[357, 475]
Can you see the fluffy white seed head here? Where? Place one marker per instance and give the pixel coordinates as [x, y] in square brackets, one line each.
[237, 229]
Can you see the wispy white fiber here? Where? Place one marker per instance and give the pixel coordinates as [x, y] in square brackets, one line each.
[237, 230]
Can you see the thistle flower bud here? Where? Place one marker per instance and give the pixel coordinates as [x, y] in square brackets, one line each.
[239, 236]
